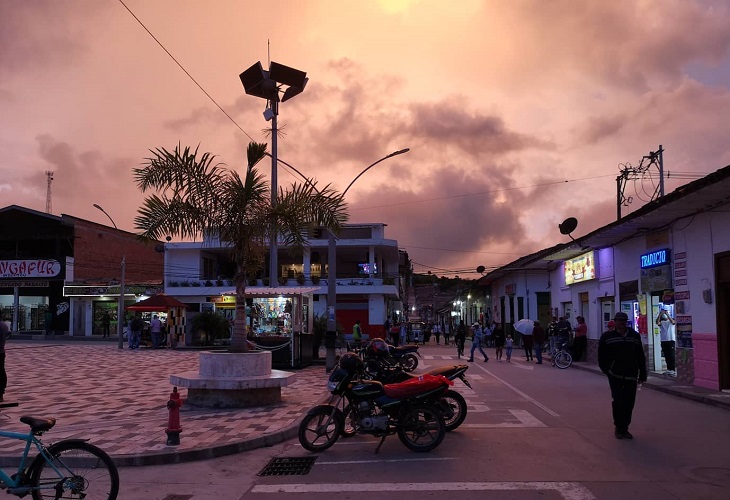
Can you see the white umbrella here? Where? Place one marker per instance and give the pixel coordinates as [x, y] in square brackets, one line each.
[525, 326]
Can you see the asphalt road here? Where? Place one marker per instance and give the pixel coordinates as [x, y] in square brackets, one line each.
[532, 431]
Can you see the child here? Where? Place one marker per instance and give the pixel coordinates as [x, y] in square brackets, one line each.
[508, 347]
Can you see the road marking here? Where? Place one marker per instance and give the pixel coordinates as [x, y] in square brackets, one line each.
[515, 389]
[525, 418]
[569, 491]
[389, 460]
[477, 408]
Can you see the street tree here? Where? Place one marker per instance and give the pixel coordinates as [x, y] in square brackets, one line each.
[193, 196]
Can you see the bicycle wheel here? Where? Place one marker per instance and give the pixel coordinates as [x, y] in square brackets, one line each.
[562, 360]
[83, 472]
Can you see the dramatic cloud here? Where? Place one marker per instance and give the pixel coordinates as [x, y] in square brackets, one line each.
[517, 114]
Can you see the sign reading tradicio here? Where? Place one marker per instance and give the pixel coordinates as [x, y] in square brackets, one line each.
[30, 268]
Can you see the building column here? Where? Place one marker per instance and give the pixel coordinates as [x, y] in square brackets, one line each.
[307, 265]
[371, 261]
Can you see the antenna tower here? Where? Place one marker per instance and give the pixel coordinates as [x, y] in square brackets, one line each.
[49, 177]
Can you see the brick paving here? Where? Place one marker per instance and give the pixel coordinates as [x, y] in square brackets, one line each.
[117, 400]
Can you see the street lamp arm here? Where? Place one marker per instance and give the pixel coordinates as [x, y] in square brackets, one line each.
[395, 153]
[307, 180]
[108, 216]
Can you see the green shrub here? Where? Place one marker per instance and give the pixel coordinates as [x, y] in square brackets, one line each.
[209, 327]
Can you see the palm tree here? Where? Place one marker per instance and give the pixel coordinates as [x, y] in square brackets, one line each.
[196, 197]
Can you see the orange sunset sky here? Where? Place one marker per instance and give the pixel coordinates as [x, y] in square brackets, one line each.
[517, 113]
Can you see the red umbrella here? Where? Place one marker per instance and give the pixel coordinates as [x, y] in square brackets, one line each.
[159, 302]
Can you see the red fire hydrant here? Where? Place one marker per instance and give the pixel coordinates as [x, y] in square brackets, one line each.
[173, 421]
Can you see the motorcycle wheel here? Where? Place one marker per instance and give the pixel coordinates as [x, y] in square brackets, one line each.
[409, 362]
[457, 408]
[349, 427]
[421, 428]
[320, 429]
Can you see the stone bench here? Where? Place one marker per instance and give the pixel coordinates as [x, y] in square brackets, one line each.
[233, 380]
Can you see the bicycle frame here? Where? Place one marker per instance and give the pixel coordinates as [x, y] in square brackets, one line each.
[14, 485]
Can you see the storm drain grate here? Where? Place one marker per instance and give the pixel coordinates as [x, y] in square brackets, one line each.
[288, 466]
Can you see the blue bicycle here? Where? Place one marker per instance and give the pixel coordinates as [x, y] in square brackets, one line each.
[71, 468]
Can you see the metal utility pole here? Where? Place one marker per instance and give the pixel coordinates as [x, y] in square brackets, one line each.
[49, 179]
[641, 174]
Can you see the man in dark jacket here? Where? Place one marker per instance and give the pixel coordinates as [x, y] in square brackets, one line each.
[621, 358]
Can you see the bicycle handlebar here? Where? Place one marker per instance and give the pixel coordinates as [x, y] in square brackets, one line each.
[8, 405]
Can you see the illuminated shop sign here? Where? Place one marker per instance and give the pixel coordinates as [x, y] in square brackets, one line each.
[581, 268]
[31, 268]
[654, 259]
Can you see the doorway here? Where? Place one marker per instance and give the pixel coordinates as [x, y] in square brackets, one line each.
[722, 279]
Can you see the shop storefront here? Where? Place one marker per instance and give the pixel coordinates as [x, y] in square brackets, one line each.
[88, 304]
[278, 320]
[657, 295]
[31, 295]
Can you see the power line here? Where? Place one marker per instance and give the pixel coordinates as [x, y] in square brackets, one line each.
[184, 70]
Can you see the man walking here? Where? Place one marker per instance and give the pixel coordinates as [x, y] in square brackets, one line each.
[155, 330]
[621, 358]
[476, 343]
[538, 337]
[135, 332]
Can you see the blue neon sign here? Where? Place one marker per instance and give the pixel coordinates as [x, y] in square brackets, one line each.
[654, 259]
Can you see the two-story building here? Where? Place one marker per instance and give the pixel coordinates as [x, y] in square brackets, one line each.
[201, 275]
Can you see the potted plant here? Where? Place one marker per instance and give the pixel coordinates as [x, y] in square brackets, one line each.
[282, 280]
[300, 279]
[315, 279]
[209, 327]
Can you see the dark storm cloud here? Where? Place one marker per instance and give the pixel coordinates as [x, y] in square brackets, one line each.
[601, 128]
[450, 122]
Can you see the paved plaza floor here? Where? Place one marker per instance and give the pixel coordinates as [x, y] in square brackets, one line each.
[116, 398]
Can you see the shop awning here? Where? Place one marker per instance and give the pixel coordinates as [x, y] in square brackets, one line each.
[159, 302]
[260, 291]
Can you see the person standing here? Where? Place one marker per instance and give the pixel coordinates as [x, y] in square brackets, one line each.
[447, 332]
[476, 343]
[552, 334]
[48, 321]
[580, 341]
[437, 333]
[155, 330]
[135, 332]
[508, 343]
[403, 332]
[4, 334]
[357, 333]
[498, 336]
[538, 337]
[386, 328]
[460, 339]
[621, 357]
[527, 344]
[106, 322]
[563, 332]
[666, 335]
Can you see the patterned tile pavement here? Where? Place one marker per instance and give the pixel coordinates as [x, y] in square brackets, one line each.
[117, 400]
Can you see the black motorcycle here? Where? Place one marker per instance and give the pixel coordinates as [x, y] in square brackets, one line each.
[405, 356]
[369, 407]
[452, 404]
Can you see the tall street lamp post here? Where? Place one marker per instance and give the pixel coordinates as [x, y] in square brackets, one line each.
[120, 305]
[267, 85]
[331, 334]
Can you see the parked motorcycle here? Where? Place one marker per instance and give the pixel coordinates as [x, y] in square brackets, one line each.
[407, 409]
[405, 356]
[452, 404]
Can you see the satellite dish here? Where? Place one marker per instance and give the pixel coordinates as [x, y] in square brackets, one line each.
[480, 269]
[568, 226]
